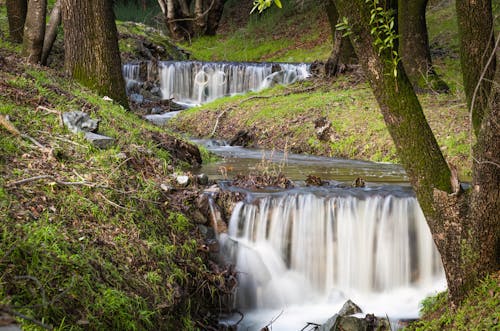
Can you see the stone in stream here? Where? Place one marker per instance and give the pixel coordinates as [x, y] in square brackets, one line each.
[351, 323]
[349, 308]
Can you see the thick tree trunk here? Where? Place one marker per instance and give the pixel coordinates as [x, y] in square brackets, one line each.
[475, 27]
[91, 47]
[51, 31]
[214, 17]
[343, 51]
[414, 47]
[16, 14]
[464, 225]
[34, 30]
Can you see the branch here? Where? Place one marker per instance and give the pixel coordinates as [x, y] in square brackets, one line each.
[32, 179]
[30, 319]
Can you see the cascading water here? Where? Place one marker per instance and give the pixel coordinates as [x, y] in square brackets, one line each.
[319, 248]
[192, 82]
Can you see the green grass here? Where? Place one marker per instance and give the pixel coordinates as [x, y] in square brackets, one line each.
[479, 311]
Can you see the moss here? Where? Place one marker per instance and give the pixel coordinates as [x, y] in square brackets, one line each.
[479, 311]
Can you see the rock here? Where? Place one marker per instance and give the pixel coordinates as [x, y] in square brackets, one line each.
[207, 232]
[156, 110]
[349, 308]
[121, 156]
[323, 129]
[213, 189]
[98, 140]
[312, 180]
[78, 121]
[136, 98]
[160, 119]
[182, 180]
[133, 87]
[167, 188]
[156, 91]
[202, 179]
[359, 182]
[329, 324]
[179, 149]
[242, 138]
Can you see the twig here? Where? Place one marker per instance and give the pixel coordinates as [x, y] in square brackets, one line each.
[53, 111]
[30, 319]
[113, 203]
[272, 321]
[217, 120]
[40, 287]
[32, 179]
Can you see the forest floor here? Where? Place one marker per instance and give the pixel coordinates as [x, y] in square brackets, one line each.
[94, 238]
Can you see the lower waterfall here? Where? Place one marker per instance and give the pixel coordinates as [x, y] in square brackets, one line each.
[294, 248]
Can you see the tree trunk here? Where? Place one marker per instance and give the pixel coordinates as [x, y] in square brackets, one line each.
[51, 31]
[16, 14]
[342, 52]
[91, 47]
[475, 28]
[34, 30]
[414, 47]
[199, 18]
[465, 226]
[214, 17]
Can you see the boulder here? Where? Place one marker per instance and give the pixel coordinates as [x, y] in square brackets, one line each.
[78, 121]
[136, 98]
[349, 308]
[182, 180]
[99, 140]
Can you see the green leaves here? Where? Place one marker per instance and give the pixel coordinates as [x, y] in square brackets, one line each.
[344, 26]
[261, 5]
[382, 23]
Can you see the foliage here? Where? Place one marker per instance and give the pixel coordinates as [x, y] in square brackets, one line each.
[382, 21]
[480, 310]
[261, 5]
[108, 253]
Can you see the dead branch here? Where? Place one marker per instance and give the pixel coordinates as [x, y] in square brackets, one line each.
[217, 120]
[4, 121]
[113, 203]
[36, 178]
[30, 319]
[52, 111]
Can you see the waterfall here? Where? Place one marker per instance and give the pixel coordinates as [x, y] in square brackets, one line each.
[293, 247]
[193, 82]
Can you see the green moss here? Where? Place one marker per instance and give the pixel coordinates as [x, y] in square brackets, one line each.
[479, 311]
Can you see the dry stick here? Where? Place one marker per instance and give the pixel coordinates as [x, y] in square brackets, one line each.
[217, 120]
[52, 111]
[113, 203]
[30, 319]
[40, 287]
[32, 179]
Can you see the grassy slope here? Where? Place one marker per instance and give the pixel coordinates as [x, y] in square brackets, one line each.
[109, 254]
[359, 131]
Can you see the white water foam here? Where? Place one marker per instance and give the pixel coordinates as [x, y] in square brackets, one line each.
[304, 255]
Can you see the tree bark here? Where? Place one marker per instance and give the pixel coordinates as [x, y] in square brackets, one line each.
[475, 28]
[199, 18]
[16, 14]
[214, 17]
[342, 51]
[464, 225]
[414, 47]
[91, 47]
[34, 30]
[51, 31]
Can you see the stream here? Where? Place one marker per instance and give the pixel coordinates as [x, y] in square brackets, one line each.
[301, 253]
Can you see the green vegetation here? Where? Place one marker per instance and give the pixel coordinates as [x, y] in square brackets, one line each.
[90, 240]
[282, 35]
[357, 127]
[480, 311]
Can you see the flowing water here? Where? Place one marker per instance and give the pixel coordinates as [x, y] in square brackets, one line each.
[301, 253]
[194, 82]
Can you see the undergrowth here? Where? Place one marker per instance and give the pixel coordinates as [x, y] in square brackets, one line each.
[88, 238]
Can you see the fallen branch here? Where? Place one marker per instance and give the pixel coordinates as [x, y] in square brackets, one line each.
[52, 111]
[30, 319]
[4, 121]
[217, 120]
[113, 203]
[36, 178]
